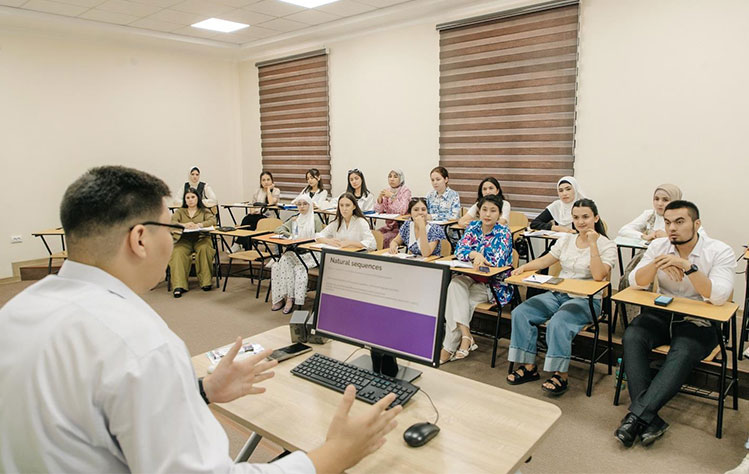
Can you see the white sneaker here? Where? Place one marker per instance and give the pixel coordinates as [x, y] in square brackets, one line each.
[235, 248]
[742, 468]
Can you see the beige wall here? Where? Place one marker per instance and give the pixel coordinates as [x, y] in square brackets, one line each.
[69, 103]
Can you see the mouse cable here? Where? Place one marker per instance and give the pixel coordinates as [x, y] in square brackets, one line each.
[352, 354]
[433, 406]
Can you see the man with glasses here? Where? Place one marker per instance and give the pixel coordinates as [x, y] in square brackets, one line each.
[93, 380]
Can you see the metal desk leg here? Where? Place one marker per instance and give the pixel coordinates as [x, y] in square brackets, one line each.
[530, 247]
[231, 214]
[745, 316]
[722, 383]
[248, 448]
[595, 345]
[621, 262]
[734, 362]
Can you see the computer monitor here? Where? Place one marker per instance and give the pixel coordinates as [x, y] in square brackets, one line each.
[391, 306]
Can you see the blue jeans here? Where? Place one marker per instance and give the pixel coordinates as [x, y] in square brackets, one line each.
[566, 316]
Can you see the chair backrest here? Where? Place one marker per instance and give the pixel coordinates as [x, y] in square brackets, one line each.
[268, 223]
[515, 258]
[446, 248]
[463, 211]
[378, 238]
[518, 218]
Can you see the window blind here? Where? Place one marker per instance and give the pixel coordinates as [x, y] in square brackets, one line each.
[294, 125]
[507, 104]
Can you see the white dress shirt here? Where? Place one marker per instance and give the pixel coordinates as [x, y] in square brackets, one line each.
[357, 230]
[93, 380]
[575, 261]
[712, 257]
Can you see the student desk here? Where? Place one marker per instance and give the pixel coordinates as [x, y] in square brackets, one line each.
[718, 315]
[283, 244]
[235, 234]
[412, 258]
[745, 316]
[548, 240]
[483, 428]
[588, 289]
[316, 247]
[325, 214]
[493, 273]
[247, 206]
[626, 243]
[52, 255]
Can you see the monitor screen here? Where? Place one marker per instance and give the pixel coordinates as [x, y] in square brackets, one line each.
[389, 304]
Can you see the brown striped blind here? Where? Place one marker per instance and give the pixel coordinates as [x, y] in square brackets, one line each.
[294, 127]
[507, 104]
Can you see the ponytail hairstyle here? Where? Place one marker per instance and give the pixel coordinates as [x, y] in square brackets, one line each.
[441, 170]
[592, 206]
[357, 210]
[315, 173]
[494, 181]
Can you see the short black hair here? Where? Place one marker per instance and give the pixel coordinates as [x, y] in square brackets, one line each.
[491, 198]
[691, 208]
[107, 196]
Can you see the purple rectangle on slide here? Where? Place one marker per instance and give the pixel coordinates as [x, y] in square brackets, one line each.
[404, 331]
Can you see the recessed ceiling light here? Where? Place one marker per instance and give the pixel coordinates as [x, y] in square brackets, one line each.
[309, 3]
[223, 26]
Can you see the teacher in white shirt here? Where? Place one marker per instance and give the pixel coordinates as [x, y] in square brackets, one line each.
[687, 265]
[93, 380]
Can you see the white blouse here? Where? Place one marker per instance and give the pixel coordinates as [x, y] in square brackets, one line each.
[639, 225]
[357, 230]
[576, 261]
[366, 203]
[319, 198]
[474, 211]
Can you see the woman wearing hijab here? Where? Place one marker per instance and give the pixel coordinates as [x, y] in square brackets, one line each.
[393, 199]
[288, 275]
[558, 215]
[649, 225]
[205, 192]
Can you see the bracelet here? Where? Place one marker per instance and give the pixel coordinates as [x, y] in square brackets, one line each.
[202, 391]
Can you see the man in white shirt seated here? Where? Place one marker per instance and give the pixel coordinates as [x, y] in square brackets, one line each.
[687, 265]
[93, 380]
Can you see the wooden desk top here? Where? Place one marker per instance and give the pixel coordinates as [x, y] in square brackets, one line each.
[514, 229]
[316, 246]
[568, 285]
[282, 242]
[386, 252]
[249, 205]
[700, 309]
[240, 232]
[55, 231]
[483, 428]
[470, 271]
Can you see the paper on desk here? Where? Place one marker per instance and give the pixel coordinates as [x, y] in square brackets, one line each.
[535, 278]
[631, 242]
[245, 351]
[543, 233]
[438, 222]
[202, 229]
[324, 246]
[384, 216]
[408, 256]
[455, 263]
[278, 236]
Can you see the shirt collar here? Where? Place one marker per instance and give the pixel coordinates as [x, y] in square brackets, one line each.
[696, 251]
[96, 276]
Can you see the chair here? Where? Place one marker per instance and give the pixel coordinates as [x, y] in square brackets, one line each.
[379, 238]
[250, 256]
[518, 218]
[446, 248]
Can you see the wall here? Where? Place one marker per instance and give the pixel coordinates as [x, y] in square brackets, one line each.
[72, 102]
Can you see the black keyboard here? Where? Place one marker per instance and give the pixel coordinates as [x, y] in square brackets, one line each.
[370, 386]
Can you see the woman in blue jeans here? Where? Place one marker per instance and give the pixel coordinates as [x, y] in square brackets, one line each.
[586, 255]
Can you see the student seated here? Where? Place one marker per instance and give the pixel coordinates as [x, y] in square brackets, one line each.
[485, 242]
[267, 194]
[314, 189]
[357, 186]
[288, 275]
[687, 265]
[204, 191]
[486, 187]
[587, 255]
[350, 228]
[419, 236]
[443, 202]
[558, 215]
[192, 215]
[650, 225]
[394, 199]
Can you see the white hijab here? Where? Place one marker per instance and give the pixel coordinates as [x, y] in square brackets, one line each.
[562, 212]
[305, 223]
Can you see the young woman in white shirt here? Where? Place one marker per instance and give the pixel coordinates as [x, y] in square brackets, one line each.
[314, 188]
[357, 186]
[350, 228]
[649, 225]
[487, 187]
[587, 255]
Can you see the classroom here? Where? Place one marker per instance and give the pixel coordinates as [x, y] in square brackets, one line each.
[654, 95]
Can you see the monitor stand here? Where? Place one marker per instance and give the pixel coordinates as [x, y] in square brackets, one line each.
[386, 364]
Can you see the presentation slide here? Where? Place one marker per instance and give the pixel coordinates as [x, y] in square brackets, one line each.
[389, 304]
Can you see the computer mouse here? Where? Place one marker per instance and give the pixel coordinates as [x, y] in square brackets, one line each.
[420, 433]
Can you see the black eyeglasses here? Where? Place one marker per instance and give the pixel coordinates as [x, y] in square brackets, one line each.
[175, 228]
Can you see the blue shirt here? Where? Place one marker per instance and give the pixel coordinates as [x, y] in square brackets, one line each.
[444, 207]
[435, 232]
[496, 247]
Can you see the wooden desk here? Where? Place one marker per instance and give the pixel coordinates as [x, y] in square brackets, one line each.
[419, 258]
[292, 244]
[719, 315]
[588, 289]
[63, 254]
[493, 271]
[247, 206]
[483, 428]
[548, 240]
[325, 214]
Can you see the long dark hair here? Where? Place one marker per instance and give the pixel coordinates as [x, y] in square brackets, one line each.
[491, 198]
[494, 181]
[315, 173]
[270, 175]
[415, 201]
[350, 189]
[592, 206]
[357, 209]
[195, 192]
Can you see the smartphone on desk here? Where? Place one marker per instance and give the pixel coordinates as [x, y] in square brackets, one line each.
[554, 281]
[484, 269]
[288, 352]
[662, 300]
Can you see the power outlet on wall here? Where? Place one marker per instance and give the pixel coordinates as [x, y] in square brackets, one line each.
[16, 239]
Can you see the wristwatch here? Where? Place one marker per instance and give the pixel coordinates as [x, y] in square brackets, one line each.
[202, 391]
[691, 270]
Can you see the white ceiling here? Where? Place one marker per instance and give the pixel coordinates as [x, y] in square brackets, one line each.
[267, 18]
